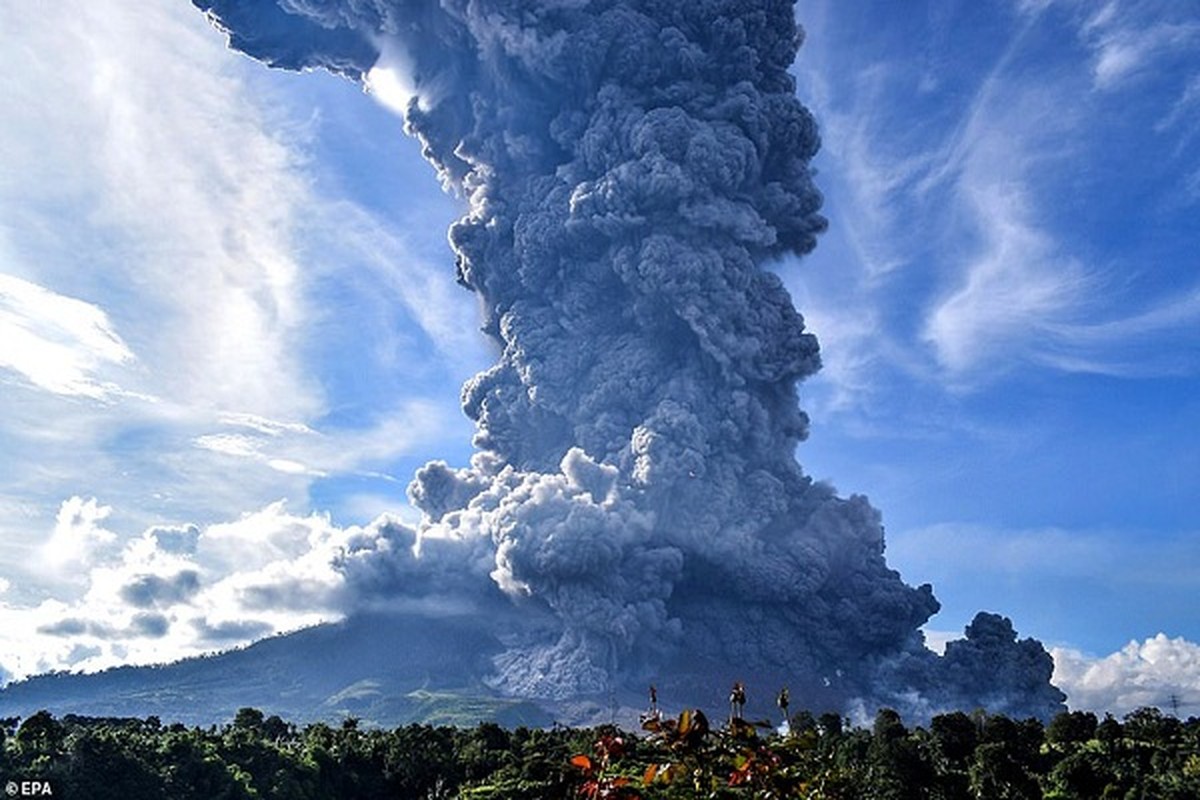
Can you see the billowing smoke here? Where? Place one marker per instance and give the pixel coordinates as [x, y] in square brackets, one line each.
[632, 167]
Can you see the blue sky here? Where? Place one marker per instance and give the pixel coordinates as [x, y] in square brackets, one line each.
[229, 330]
[1009, 302]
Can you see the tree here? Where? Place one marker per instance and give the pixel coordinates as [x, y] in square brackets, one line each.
[41, 734]
[1085, 773]
[897, 765]
[955, 736]
[830, 724]
[1072, 728]
[248, 719]
[100, 765]
[1109, 731]
[995, 775]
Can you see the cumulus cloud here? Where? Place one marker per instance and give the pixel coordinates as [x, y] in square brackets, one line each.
[1160, 671]
[631, 169]
[78, 534]
[171, 592]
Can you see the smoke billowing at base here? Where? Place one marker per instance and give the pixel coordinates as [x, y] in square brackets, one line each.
[634, 510]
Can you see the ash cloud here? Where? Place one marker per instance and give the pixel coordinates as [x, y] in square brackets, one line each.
[632, 169]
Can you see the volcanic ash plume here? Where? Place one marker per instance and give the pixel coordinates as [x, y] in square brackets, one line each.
[630, 168]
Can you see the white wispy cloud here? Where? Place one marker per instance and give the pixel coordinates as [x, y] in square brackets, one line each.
[231, 444]
[1127, 39]
[945, 203]
[1007, 277]
[1012, 289]
[57, 343]
[446, 313]
[1128, 346]
[299, 449]
[955, 211]
[259, 424]
[1183, 110]
[873, 171]
[132, 134]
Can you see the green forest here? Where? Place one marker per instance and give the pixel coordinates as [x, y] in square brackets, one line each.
[1148, 754]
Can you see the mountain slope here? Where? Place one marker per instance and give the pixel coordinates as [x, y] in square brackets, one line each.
[383, 669]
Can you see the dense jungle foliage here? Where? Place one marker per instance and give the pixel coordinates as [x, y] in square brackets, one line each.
[1148, 755]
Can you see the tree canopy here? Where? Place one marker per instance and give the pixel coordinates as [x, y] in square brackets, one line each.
[959, 755]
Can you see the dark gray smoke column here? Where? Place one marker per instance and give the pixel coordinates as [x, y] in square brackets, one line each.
[631, 167]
